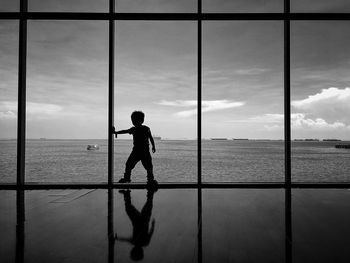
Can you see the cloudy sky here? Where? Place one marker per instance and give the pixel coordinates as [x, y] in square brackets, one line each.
[67, 78]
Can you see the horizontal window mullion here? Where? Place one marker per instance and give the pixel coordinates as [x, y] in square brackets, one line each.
[173, 16]
[48, 186]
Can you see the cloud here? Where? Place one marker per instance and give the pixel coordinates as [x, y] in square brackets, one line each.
[207, 106]
[7, 115]
[8, 109]
[332, 104]
[251, 71]
[327, 110]
[298, 121]
[272, 127]
[332, 93]
[267, 118]
[178, 103]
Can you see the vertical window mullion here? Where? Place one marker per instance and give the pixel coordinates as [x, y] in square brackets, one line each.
[287, 118]
[199, 128]
[287, 134]
[110, 224]
[199, 226]
[21, 111]
[111, 93]
[199, 93]
[20, 214]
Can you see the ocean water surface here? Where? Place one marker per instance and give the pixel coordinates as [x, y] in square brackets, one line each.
[176, 161]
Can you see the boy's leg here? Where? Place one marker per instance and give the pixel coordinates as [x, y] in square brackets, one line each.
[131, 211]
[146, 211]
[130, 164]
[147, 163]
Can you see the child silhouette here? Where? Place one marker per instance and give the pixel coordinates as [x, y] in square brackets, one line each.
[142, 232]
[140, 152]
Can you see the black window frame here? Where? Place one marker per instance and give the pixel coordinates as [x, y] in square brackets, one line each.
[20, 186]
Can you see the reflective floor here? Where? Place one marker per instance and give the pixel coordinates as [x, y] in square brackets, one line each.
[175, 225]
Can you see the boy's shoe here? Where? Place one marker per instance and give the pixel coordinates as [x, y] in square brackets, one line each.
[152, 183]
[124, 180]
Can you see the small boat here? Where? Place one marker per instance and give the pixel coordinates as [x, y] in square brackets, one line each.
[93, 147]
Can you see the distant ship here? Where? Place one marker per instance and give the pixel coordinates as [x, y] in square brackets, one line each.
[93, 147]
[331, 140]
[157, 137]
[342, 146]
[306, 140]
[240, 139]
[218, 139]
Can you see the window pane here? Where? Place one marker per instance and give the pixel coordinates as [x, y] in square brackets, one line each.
[241, 225]
[320, 225]
[320, 100]
[138, 213]
[66, 224]
[239, 6]
[68, 5]
[8, 225]
[322, 6]
[8, 100]
[156, 6]
[156, 67]
[242, 101]
[9, 5]
[67, 101]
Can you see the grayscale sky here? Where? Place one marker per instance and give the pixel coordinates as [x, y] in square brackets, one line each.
[156, 71]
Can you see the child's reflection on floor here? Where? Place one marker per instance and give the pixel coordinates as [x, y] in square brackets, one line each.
[142, 233]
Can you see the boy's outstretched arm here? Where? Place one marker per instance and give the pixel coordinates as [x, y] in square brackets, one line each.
[120, 131]
[152, 142]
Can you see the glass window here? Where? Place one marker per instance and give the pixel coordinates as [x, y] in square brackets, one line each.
[8, 225]
[241, 6]
[68, 5]
[165, 213]
[242, 103]
[320, 225]
[156, 67]
[321, 6]
[66, 224]
[156, 6]
[67, 101]
[8, 100]
[245, 224]
[320, 100]
[9, 5]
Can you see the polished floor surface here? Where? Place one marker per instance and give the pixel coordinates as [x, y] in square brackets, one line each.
[175, 225]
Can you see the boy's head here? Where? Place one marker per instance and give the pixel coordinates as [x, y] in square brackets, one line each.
[136, 253]
[137, 117]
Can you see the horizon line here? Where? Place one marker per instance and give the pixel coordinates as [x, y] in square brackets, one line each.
[186, 139]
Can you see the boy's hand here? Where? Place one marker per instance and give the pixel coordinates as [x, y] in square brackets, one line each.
[153, 149]
[114, 132]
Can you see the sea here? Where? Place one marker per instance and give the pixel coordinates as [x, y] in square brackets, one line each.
[176, 161]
